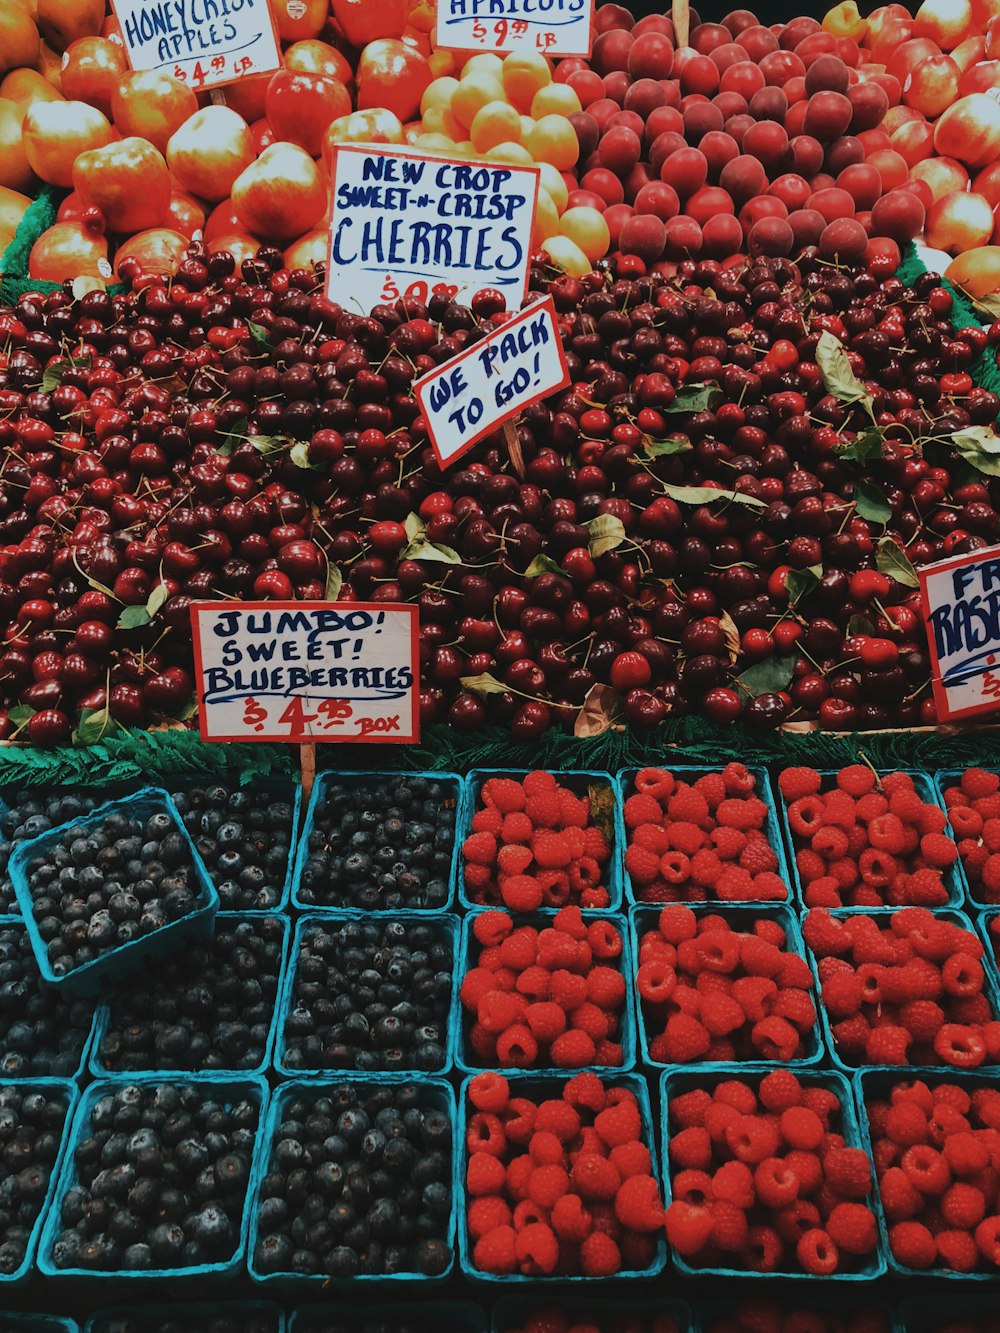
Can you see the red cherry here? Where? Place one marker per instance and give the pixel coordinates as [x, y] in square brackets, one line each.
[273, 586]
[629, 671]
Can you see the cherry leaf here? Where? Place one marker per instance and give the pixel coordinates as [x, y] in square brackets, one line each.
[483, 684]
[233, 437]
[266, 444]
[53, 374]
[706, 495]
[94, 725]
[866, 446]
[606, 532]
[871, 504]
[859, 625]
[260, 337]
[664, 448]
[838, 378]
[599, 712]
[732, 634]
[892, 560]
[334, 583]
[156, 599]
[799, 581]
[980, 447]
[134, 617]
[299, 454]
[543, 564]
[414, 526]
[189, 709]
[769, 676]
[694, 398]
[20, 714]
[421, 549]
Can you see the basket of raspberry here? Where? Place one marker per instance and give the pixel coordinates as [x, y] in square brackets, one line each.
[904, 986]
[832, 1313]
[537, 840]
[718, 984]
[522, 1314]
[691, 835]
[549, 993]
[934, 1145]
[863, 839]
[376, 993]
[379, 842]
[972, 799]
[210, 1317]
[414, 1317]
[978, 1313]
[766, 1175]
[560, 1179]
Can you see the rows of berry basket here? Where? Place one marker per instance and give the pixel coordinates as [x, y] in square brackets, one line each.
[849, 1089]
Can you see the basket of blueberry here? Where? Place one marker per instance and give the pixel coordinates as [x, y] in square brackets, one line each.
[106, 893]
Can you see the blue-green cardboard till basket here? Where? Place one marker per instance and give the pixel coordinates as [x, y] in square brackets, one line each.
[624, 964]
[869, 1084]
[452, 781]
[223, 920]
[114, 965]
[446, 922]
[14, 1322]
[535, 1085]
[432, 1316]
[194, 1318]
[991, 980]
[762, 790]
[577, 781]
[927, 790]
[947, 777]
[938, 1313]
[842, 1305]
[72, 1095]
[741, 917]
[439, 1096]
[675, 1082]
[510, 1311]
[216, 1087]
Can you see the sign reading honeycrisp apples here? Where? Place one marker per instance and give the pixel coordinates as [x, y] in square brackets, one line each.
[961, 600]
[553, 27]
[470, 395]
[306, 671]
[407, 224]
[204, 43]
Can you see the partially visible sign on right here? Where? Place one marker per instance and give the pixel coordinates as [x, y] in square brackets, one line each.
[961, 599]
[553, 27]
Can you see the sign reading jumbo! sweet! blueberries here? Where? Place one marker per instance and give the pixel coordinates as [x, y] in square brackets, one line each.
[406, 224]
[306, 671]
[961, 600]
[486, 384]
[552, 27]
[203, 43]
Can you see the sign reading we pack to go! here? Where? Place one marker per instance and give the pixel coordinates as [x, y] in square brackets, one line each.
[470, 395]
[306, 671]
[553, 27]
[961, 600]
[406, 224]
[204, 43]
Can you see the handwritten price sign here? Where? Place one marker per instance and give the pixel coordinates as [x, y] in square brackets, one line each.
[407, 224]
[306, 671]
[204, 43]
[553, 27]
[961, 600]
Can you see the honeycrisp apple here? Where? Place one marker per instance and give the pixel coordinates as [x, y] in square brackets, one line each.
[282, 195]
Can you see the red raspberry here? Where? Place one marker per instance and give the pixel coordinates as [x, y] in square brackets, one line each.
[801, 1128]
[887, 1046]
[685, 1039]
[817, 1253]
[988, 1240]
[638, 1205]
[689, 1228]
[688, 806]
[486, 1213]
[537, 1250]
[977, 782]
[505, 794]
[619, 1123]
[959, 1046]
[600, 1256]
[573, 1049]
[655, 782]
[517, 1047]
[848, 1172]
[480, 849]
[489, 1092]
[857, 780]
[641, 809]
[780, 1090]
[957, 1250]
[514, 859]
[585, 1091]
[487, 821]
[691, 1147]
[522, 893]
[594, 1177]
[776, 1185]
[763, 1252]
[496, 1251]
[912, 1245]
[963, 1206]
[484, 1175]
[642, 865]
[851, 1227]
[544, 809]
[886, 832]
[751, 1139]
[796, 782]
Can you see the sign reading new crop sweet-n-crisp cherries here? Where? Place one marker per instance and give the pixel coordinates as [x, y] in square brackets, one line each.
[487, 384]
[204, 43]
[306, 671]
[961, 600]
[553, 27]
[407, 224]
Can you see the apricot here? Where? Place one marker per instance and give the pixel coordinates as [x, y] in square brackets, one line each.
[970, 131]
[943, 175]
[946, 22]
[959, 221]
[914, 141]
[976, 271]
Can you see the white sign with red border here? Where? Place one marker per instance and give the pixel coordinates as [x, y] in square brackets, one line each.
[552, 27]
[203, 43]
[307, 671]
[470, 395]
[408, 224]
[961, 600]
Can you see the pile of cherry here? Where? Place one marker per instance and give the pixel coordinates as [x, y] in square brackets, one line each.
[721, 515]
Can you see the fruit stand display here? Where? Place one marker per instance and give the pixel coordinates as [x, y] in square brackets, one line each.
[652, 987]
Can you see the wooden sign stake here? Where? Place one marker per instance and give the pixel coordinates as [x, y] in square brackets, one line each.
[307, 761]
[681, 14]
[514, 448]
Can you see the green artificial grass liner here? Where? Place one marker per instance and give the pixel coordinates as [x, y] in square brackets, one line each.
[15, 282]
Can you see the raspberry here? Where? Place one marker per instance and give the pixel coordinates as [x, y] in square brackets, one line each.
[938, 850]
[517, 1047]
[957, 1250]
[573, 1049]
[775, 1183]
[688, 1227]
[848, 1172]
[487, 821]
[741, 814]
[521, 893]
[912, 1245]
[656, 782]
[750, 1139]
[780, 1090]
[544, 809]
[960, 1047]
[539, 780]
[480, 849]
[796, 782]
[514, 859]
[887, 1046]
[547, 1184]
[537, 1250]
[817, 1253]
[484, 1175]
[600, 1256]
[988, 1240]
[851, 1227]
[824, 934]
[926, 1168]
[692, 1147]
[489, 1092]
[801, 1128]
[963, 1206]
[505, 794]
[685, 1039]
[763, 1251]
[619, 1123]
[642, 809]
[688, 806]
[594, 1177]
[806, 815]
[886, 832]
[585, 1090]
[758, 857]
[638, 1205]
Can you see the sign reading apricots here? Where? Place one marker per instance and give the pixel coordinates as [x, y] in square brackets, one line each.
[553, 27]
[203, 43]
[486, 384]
[409, 225]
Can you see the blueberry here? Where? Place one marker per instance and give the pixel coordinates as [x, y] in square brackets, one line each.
[245, 837]
[327, 1203]
[31, 1125]
[42, 1031]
